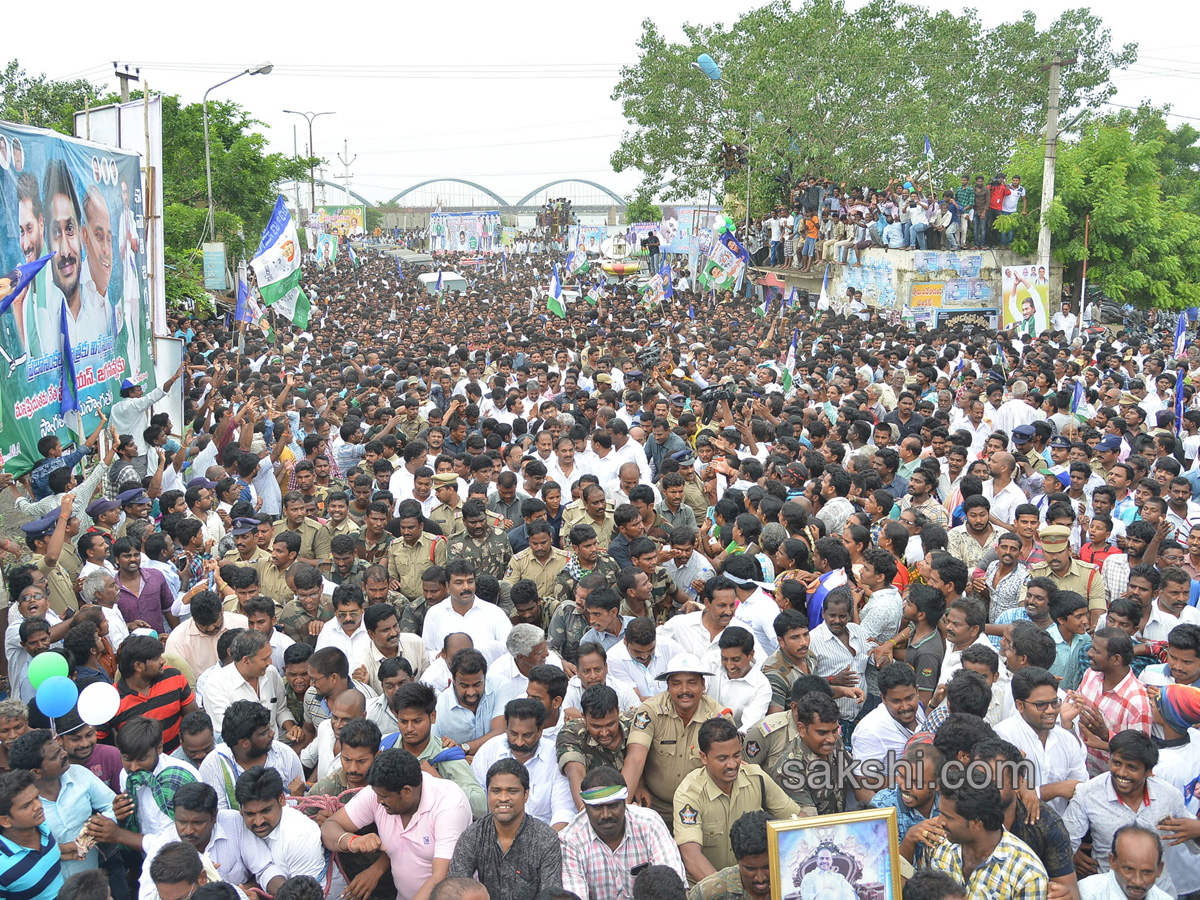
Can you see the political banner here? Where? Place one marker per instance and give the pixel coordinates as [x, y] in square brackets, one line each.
[341, 220]
[722, 269]
[471, 232]
[83, 203]
[1025, 290]
[586, 238]
[327, 248]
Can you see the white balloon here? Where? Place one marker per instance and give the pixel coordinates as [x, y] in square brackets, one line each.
[98, 703]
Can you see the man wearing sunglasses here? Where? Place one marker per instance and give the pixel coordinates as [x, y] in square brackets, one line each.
[1044, 736]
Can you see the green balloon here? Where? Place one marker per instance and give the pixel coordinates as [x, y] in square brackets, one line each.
[46, 665]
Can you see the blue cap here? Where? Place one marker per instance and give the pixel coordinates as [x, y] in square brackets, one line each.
[1060, 443]
[132, 496]
[635, 375]
[99, 507]
[43, 526]
[1023, 434]
[244, 525]
[1109, 442]
[127, 385]
[201, 482]
[684, 457]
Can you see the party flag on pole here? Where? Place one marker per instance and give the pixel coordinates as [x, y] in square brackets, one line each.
[399, 269]
[823, 300]
[554, 301]
[1179, 400]
[12, 284]
[68, 394]
[1180, 339]
[928, 149]
[790, 363]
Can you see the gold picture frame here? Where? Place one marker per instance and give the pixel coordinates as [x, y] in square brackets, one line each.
[863, 847]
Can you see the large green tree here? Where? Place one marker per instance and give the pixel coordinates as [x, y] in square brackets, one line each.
[41, 102]
[848, 94]
[1135, 184]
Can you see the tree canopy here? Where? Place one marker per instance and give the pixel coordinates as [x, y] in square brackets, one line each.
[1139, 183]
[849, 95]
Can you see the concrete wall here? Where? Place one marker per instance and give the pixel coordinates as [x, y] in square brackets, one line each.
[936, 285]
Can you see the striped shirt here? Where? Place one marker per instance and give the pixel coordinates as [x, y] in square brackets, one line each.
[831, 656]
[164, 702]
[27, 874]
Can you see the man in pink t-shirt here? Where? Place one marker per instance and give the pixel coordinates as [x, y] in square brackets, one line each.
[419, 819]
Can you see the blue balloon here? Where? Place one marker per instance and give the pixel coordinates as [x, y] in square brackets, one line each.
[57, 696]
[709, 66]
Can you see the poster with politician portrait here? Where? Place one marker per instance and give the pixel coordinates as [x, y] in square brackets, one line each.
[79, 203]
[845, 856]
[1025, 303]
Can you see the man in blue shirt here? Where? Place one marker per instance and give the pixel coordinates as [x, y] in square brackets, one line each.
[51, 449]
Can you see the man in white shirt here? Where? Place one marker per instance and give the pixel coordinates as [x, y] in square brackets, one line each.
[292, 840]
[250, 676]
[756, 610]
[549, 791]
[739, 685]
[888, 727]
[483, 622]
[592, 666]
[248, 740]
[641, 657]
[1054, 748]
[346, 630]
[144, 764]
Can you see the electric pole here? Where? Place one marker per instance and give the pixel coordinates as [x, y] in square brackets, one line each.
[346, 163]
[1055, 68]
[126, 77]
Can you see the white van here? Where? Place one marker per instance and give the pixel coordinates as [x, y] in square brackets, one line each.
[451, 281]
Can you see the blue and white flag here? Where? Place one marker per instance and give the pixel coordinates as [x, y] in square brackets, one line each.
[789, 363]
[554, 301]
[399, 269]
[823, 300]
[19, 279]
[437, 288]
[928, 149]
[353, 255]
[665, 273]
[243, 313]
[1180, 339]
[1077, 396]
[276, 265]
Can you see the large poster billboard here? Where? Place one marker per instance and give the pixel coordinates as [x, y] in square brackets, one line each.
[83, 203]
[1026, 290]
[469, 232]
[343, 220]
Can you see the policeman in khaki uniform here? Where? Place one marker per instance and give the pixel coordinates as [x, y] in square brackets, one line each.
[412, 423]
[593, 509]
[486, 547]
[663, 747]
[817, 744]
[314, 538]
[244, 539]
[766, 741]
[39, 536]
[541, 561]
[413, 553]
[1068, 573]
[447, 512]
[710, 799]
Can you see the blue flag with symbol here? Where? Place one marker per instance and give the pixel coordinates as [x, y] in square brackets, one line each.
[19, 279]
[1180, 336]
[242, 313]
[691, 312]
[399, 269]
[928, 149]
[1077, 396]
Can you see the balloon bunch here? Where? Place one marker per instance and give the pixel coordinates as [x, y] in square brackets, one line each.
[57, 694]
[724, 224]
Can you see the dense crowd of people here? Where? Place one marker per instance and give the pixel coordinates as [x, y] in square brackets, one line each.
[448, 597]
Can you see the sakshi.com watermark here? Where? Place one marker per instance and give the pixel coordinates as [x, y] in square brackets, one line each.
[879, 774]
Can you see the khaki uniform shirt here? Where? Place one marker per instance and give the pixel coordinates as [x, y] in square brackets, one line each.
[258, 561]
[694, 496]
[60, 589]
[405, 564]
[449, 519]
[703, 812]
[543, 574]
[491, 555]
[782, 674]
[767, 741]
[578, 515]
[348, 526]
[1082, 578]
[273, 582]
[69, 560]
[672, 747]
[314, 538]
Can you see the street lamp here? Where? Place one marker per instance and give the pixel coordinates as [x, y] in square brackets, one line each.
[261, 69]
[312, 185]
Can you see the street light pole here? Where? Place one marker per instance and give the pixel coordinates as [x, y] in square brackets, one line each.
[312, 184]
[260, 69]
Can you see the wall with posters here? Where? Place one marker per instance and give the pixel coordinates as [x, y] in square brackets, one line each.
[82, 201]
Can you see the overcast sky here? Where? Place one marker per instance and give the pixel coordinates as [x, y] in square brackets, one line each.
[510, 95]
